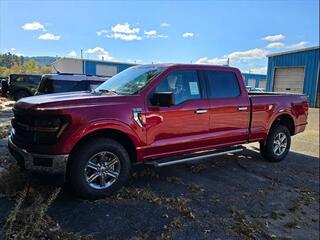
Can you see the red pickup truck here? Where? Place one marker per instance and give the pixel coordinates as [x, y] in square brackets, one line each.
[158, 114]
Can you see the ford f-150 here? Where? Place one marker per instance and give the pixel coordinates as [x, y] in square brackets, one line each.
[157, 114]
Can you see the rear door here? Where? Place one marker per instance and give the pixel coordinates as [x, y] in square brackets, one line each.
[184, 126]
[229, 108]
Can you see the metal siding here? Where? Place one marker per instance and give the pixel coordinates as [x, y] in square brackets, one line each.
[257, 77]
[308, 59]
[122, 67]
[90, 67]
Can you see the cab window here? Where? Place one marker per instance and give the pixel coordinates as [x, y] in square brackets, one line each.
[183, 84]
[222, 84]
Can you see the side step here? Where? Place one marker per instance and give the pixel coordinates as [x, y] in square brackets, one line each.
[161, 162]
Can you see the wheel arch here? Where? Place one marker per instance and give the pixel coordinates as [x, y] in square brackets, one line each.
[123, 138]
[284, 119]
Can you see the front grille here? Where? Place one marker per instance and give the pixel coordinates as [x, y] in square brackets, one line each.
[22, 123]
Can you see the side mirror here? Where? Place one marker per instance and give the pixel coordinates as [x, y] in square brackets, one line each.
[163, 99]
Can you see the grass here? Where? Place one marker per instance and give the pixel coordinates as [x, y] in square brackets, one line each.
[29, 219]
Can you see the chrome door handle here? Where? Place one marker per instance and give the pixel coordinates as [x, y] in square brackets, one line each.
[242, 108]
[201, 111]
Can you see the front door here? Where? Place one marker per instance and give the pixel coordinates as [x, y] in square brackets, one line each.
[183, 127]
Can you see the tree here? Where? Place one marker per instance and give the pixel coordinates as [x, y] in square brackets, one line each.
[10, 63]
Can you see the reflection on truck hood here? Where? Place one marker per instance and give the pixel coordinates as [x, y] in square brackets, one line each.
[68, 100]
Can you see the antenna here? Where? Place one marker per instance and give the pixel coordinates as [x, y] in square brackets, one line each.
[55, 69]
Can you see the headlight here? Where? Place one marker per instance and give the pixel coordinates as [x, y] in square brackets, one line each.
[47, 130]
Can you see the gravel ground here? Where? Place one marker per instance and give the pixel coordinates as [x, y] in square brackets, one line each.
[237, 196]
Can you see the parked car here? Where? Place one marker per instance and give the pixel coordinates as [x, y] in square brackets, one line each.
[154, 114]
[58, 83]
[3, 86]
[20, 85]
[254, 89]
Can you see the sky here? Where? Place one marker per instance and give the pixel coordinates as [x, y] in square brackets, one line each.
[209, 32]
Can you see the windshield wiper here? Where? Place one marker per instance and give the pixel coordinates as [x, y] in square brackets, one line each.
[108, 91]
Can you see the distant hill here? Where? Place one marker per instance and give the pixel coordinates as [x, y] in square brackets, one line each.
[42, 60]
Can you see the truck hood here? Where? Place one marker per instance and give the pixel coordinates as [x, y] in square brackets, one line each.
[59, 101]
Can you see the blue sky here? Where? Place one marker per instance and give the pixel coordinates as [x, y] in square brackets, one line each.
[160, 31]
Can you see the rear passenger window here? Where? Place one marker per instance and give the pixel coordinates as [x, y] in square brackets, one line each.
[222, 84]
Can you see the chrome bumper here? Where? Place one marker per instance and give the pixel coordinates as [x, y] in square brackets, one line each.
[52, 164]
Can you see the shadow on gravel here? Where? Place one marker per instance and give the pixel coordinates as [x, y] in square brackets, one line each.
[228, 197]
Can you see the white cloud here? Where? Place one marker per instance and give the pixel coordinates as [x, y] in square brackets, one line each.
[188, 34]
[214, 61]
[72, 54]
[301, 44]
[259, 70]
[237, 56]
[150, 33]
[100, 52]
[12, 49]
[124, 28]
[102, 32]
[33, 26]
[276, 45]
[153, 34]
[125, 37]
[165, 24]
[121, 32]
[255, 53]
[19, 54]
[274, 38]
[49, 36]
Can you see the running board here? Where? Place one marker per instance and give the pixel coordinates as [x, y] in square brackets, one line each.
[193, 156]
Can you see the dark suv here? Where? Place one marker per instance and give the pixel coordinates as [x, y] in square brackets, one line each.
[20, 85]
[58, 83]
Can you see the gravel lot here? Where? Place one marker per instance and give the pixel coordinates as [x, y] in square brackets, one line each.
[237, 196]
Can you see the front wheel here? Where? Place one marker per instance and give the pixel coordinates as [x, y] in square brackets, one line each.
[276, 147]
[98, 168]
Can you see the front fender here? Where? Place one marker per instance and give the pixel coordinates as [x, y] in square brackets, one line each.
[104, 124]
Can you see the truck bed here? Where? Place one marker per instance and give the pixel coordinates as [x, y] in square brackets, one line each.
[266, 106]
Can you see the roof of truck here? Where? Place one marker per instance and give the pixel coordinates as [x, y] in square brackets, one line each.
[187, 65]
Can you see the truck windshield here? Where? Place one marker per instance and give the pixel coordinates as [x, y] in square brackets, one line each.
[130, 81]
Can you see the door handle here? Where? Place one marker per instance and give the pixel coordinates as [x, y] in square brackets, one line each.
[201, 111]
[242, 108]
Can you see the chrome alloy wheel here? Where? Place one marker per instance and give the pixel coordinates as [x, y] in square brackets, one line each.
[279, 144]
[102, 170]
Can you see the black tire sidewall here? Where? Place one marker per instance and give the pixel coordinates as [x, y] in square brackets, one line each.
[267, 147]
[80, 158]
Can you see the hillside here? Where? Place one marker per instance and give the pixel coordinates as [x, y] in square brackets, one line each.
[42, 60]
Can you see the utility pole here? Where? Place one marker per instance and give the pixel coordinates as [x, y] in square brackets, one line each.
[81, 53]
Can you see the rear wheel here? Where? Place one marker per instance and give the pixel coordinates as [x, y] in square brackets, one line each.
[20, 94]
[99, 168]
[276, 147]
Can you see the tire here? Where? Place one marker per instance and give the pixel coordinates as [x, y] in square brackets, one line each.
[20, 94]
[272, 149]
[85, 181]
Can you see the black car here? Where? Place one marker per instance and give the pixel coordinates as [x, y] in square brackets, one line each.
[58, 83]
[20, 85]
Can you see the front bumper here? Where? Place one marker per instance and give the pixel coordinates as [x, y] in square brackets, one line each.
[51, 164]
